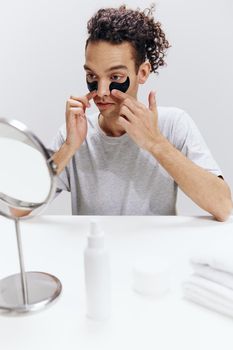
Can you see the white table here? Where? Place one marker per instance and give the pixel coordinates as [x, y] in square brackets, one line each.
[55, 244]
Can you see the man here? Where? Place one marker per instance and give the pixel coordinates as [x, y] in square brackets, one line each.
[128, 158]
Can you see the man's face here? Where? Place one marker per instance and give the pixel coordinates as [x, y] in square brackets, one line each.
[107, 63]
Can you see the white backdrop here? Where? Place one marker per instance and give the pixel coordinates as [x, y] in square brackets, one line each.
[42, 56]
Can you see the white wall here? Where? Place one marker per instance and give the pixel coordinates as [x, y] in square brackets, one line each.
[42, 54]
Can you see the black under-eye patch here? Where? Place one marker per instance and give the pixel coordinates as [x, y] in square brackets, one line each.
[120, 86]
[114, 85]
[92, 86]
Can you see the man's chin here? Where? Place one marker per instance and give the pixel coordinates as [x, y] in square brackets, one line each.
[109, 112]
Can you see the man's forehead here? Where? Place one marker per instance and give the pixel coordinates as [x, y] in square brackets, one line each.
[108, 57]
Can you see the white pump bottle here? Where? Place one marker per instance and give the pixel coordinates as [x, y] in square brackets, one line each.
[97, 276]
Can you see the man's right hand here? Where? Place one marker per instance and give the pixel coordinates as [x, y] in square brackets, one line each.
[76, 121]
[76, 129]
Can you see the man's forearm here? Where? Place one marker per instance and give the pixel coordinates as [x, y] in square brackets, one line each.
[62, 157]
[207, 190]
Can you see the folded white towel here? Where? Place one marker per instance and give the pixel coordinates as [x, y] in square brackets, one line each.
[215, 262]
[211, 285]
[218, 255]
[221, 277]
[209, 294]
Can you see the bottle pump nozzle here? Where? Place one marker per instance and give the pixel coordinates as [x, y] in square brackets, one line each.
[96, 236]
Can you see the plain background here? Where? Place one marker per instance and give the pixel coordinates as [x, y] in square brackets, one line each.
[42, 56]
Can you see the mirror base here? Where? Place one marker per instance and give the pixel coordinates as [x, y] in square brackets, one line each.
[43, 289]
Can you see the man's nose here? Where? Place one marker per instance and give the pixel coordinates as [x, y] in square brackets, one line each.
[103, 89]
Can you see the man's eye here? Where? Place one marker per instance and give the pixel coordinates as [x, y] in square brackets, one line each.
[116, 77]
[91, 78]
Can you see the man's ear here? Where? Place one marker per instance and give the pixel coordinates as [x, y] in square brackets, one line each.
[144, 72]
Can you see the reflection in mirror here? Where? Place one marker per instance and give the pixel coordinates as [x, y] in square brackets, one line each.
[27, 184]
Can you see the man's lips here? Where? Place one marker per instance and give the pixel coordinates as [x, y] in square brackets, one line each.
[104, 103]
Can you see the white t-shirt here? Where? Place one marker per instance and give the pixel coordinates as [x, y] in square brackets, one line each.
[113, 176]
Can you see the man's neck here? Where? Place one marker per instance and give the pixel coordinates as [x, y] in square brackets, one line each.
[110, 126]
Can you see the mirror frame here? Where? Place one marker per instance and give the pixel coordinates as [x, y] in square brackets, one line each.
[16, 203]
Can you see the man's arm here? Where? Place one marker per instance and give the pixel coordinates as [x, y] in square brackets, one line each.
[62, 157]
[207, 190]
[76, 126]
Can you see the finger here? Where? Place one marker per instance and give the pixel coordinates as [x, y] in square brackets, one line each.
[76, 111]
[85, 99]
[81, 119]
[152, 101]
[124, 123]
[91, 94]
[74, 103]
[128, 100]
[120, 95]
[125, 111]
[131, 105]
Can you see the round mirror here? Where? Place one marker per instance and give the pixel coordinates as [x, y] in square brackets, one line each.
[27, 173]
[27, 183]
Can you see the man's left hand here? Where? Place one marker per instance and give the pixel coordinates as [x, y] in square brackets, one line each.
[140, 122]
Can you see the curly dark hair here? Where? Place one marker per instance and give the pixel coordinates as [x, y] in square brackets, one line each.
[117, 25]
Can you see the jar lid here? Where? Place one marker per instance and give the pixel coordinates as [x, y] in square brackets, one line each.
[151, 276]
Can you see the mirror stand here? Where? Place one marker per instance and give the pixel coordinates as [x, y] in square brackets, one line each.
[29, 189]
[27, 291]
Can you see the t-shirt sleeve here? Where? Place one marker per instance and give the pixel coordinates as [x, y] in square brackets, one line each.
[63, 180]
[188, 139]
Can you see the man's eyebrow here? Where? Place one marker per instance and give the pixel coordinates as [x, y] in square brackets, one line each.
[86, 67]
[116, 67]
[109, 69]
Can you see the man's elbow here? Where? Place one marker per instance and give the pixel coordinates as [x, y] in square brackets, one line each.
[224, 211]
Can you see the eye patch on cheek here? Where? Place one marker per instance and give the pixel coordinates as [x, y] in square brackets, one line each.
[118, 86]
